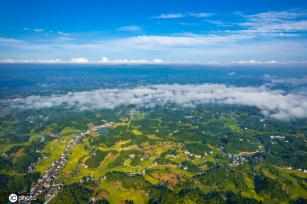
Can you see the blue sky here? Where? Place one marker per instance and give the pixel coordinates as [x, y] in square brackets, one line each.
[153, 31]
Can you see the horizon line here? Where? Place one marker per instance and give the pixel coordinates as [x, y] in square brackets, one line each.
[83, 61]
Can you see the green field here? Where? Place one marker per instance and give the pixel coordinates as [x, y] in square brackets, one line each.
[172, 156]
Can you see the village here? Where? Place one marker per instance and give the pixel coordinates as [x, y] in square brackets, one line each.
[46, 182]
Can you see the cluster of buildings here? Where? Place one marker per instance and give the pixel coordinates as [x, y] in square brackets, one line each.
[31, 167]
[236, 159]
[277, 137]
[45, 183]
[86, 179]
[302, 170]
[195, 155]
[131, 156]
[242, 157]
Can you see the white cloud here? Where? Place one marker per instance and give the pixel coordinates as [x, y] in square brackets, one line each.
[170, 16]
[62, 33]
[184, 40]
[283, 21]
[291, 26]
[80, 60]
[201, 15]
[63, 39]
[292, 81]
[157, 61]
[10, 42]
[252, 62]
[219, 23]
[38, 30]
[275, 16]
[272, 103]
[105, 60]
[43, 61]
[181, 15]
[130, 28]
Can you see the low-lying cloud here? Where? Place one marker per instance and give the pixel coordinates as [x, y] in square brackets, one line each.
[288, 81]
[272, 103]
[79, 60]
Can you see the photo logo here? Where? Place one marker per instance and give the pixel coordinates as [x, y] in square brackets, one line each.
[13, 198]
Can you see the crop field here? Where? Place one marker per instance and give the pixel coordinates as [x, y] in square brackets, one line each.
[156, 155]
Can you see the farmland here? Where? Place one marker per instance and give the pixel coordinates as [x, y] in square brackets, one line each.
[172, 154]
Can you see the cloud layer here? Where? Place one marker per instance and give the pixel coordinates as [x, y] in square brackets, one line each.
[272, 103]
